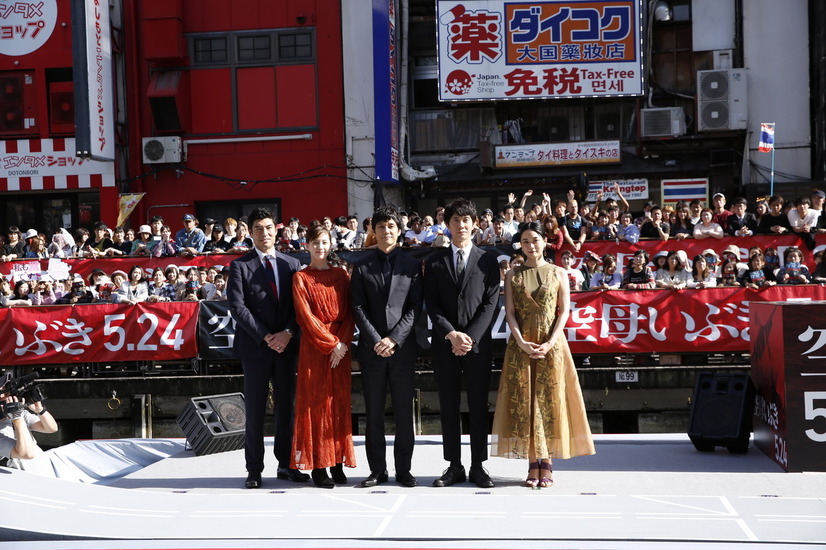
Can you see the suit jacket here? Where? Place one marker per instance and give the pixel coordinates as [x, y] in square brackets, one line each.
[734, 224]
[379, 313]
[254, 307]
[468, 307]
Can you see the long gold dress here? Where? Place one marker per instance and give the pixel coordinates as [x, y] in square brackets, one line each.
[539, 399]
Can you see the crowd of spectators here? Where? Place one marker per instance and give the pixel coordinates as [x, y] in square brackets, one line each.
[565, 220]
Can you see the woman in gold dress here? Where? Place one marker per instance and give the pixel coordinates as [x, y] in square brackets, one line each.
[540, 414]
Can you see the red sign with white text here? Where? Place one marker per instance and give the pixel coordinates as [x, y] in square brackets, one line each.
[98, 332]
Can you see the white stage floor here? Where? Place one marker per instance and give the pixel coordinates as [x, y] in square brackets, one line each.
[638, 491]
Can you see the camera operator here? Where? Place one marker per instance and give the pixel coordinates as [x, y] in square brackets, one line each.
[20, 419]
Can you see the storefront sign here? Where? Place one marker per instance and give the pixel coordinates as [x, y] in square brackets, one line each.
[26, 25]
[492, 50]
[94, 93]
[385, 90]
[635, 189]
[45, 164]
[557, 154]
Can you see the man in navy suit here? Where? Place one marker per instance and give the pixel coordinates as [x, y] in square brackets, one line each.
[386, 297]
[461, 289]
[259, 292]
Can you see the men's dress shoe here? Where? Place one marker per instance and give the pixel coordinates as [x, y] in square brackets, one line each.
[253, 480]
[291, 474]
[321, 479]
[374, 479]
[406, 479]
[480, 477]
[451, 476]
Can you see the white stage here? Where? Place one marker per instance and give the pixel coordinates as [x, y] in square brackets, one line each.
[638, 491]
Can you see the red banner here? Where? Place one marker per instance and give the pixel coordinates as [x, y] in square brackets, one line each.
[97, 333]
[708, 320]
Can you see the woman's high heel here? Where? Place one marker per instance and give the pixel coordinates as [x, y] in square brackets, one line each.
[532, 482]
[549, 480]
[337, 472]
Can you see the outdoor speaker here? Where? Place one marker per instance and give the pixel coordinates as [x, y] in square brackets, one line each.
[214, 424]
[721, 412]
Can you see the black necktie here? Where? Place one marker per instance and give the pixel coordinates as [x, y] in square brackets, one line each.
[460, 264]
[271, 273]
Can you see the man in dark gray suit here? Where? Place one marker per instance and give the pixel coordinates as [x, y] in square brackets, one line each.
[259, 292]
[386, 296]
[461, 291]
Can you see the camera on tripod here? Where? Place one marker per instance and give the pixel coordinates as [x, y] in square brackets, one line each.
[24, 388]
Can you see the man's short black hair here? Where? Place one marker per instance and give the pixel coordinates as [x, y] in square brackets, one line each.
[157, 219]
[340, 221]
[740, 200]
[461, 208]
[384, 214]
[352, 217]
[259, 214]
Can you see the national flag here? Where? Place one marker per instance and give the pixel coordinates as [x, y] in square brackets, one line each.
[674, 191]
[766, 137]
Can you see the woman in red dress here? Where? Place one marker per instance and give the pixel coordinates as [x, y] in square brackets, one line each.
[323, 435]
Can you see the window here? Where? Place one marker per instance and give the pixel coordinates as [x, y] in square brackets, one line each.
[259, 80]
[256, 48]
[210, 51]
[294, 46]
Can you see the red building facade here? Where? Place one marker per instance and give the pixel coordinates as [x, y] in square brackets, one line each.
[220, 106]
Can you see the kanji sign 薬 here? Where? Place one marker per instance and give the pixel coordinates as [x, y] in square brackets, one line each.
[493, 49]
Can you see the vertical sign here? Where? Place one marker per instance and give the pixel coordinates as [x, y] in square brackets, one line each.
[492, 49]
[94, 95]
[385, 90]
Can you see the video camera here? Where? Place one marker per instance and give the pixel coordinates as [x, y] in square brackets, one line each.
[24, 388]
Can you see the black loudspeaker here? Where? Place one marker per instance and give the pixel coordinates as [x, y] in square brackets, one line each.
[215, 423]
[721, 413]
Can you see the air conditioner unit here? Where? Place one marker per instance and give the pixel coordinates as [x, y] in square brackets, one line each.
[722, 100]
[664, 122]
[161, 150]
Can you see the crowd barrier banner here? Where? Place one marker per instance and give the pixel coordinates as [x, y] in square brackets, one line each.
[710, 320]
[93, 333]
[623, 251]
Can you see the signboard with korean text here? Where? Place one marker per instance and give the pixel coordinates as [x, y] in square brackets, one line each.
[635, 189]
[494, 50]
[557, 154]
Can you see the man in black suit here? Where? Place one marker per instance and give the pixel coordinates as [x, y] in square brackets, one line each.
[461, 288]
[259, 292]
[740, 222]
[386, 297]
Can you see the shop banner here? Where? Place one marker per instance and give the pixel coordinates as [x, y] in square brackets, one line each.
[494, 50]
[94, 333]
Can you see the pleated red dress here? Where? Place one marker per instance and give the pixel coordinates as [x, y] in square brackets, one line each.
[323, 434]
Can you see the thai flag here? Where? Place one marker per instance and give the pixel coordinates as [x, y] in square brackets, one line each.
[766, 137]
[687, 190]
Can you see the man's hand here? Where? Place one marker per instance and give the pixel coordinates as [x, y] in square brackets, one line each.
[278, 341]
[461, 343]
[385, 347]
